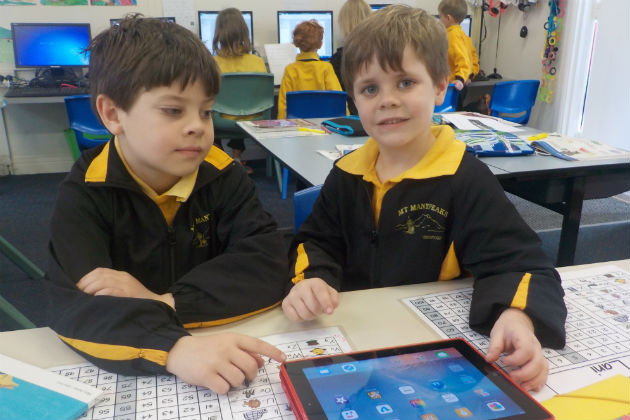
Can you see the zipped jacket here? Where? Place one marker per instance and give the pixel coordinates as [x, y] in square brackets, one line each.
[446, 217]
[222, 259]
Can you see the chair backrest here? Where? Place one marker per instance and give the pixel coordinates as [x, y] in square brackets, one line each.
[450, 100]
[242, 94]
[316, 103]
[303, 201]
[83, 121]
[514, 97]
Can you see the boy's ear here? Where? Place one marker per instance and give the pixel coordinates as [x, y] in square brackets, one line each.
[440, 91]
[109, 113]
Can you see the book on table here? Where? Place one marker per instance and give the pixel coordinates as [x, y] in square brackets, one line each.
[279, 125]
[29, 392]
[573, 148]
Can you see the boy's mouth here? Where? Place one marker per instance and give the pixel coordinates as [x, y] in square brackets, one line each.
[391, 121]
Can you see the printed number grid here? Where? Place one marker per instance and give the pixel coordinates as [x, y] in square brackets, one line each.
[168, 398]
[598, 320]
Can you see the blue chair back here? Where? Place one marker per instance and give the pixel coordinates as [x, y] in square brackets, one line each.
[316, 104]
[83, 121]
[303, 202]
[450, 100]
[514, 100]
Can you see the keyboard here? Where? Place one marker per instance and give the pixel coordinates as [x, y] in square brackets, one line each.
[16, 92]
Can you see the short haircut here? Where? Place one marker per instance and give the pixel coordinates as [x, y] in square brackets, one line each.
[351, 14]
[386, 34]
[141, 54]
[231, 35]
[456, 8]
[308, 35]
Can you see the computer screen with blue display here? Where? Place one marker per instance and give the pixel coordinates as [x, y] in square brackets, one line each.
[289, 19]
[378, 6]
[50, 44]
[208, 21]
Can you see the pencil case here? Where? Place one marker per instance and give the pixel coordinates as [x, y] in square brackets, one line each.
[348, 126]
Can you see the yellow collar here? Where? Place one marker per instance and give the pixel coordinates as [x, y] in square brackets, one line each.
[443, 158]
[311, 55]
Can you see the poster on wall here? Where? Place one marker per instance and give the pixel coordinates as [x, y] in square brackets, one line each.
[113, 2]
[18, 2]
[64, 2]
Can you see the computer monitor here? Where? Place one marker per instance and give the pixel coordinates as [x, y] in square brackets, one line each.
[170, 19]
[289, 19]
[53, 45]
[378, 6]
[208, 21]
[466, 24]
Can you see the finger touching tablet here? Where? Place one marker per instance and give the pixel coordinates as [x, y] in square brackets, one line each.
[441, 380]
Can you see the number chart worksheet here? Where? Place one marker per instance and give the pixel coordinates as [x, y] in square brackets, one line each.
[598, 327]
[167, 398]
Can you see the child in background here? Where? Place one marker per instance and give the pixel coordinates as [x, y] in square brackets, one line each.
[411, 206]
[308, 72]
[157, 230]
[232, 46]
[462, 56]
[350, 15]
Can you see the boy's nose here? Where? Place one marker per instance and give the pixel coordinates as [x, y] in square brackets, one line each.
[389, 98]
[198, 125]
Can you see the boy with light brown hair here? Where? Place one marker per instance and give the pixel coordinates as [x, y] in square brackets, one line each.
[411, 206]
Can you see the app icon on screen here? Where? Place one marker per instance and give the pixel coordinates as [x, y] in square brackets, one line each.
[324, 371]
[449, 397]
[442, 354]
[495, 406]
[429, 416]
[349, 415]
[463, 412]
[455, 367]
[374, 394]
[340, 400]
[349, 368]
[417, 402]
[384, 409]
[437, 385]
[481, 392]
[467, 379]
[406, 389]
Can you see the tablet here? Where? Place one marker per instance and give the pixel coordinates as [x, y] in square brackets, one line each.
[442, 380]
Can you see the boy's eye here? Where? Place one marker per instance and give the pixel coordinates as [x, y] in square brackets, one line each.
[369, 90]
[206, 114]
[171, 111]
[406, 83]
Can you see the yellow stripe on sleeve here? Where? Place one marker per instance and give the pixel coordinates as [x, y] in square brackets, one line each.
[117, 352]
[301, 264]
[228, 320]
[520, 297]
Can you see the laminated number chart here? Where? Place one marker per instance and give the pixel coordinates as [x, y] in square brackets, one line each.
[598, 327]
[167, 398]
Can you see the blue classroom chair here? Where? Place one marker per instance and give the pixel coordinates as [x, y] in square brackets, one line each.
[88, 130]
[313, 104]
[450, 100]
[303, 202]
[512, 98]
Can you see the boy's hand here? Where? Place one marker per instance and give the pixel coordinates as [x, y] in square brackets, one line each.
[459, 85]
[219, 361]
[310, 298]
[108, 282]
[513, 333]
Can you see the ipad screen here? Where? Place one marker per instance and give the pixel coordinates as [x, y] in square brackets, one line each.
[428, 385]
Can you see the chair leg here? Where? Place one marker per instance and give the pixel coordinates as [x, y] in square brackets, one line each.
[20, 260]
[71, 139]
[15, 318]
[268, 165]
[278, 174]
[285, 182]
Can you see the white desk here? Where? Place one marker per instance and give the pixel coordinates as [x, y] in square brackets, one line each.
[368, 318]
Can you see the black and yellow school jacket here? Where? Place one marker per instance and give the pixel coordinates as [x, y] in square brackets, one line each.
[221, 258]
[444, 217]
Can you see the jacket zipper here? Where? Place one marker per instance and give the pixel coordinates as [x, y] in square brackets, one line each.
[373, 234]
[171, 248]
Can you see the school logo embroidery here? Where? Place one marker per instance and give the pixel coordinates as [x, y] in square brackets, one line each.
[425, 219]
[201, 231]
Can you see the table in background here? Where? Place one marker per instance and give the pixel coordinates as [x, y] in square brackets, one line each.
[556, 184]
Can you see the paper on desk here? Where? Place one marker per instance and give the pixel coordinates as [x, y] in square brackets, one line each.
[475, 121]
[342, 149]
[278, 56]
